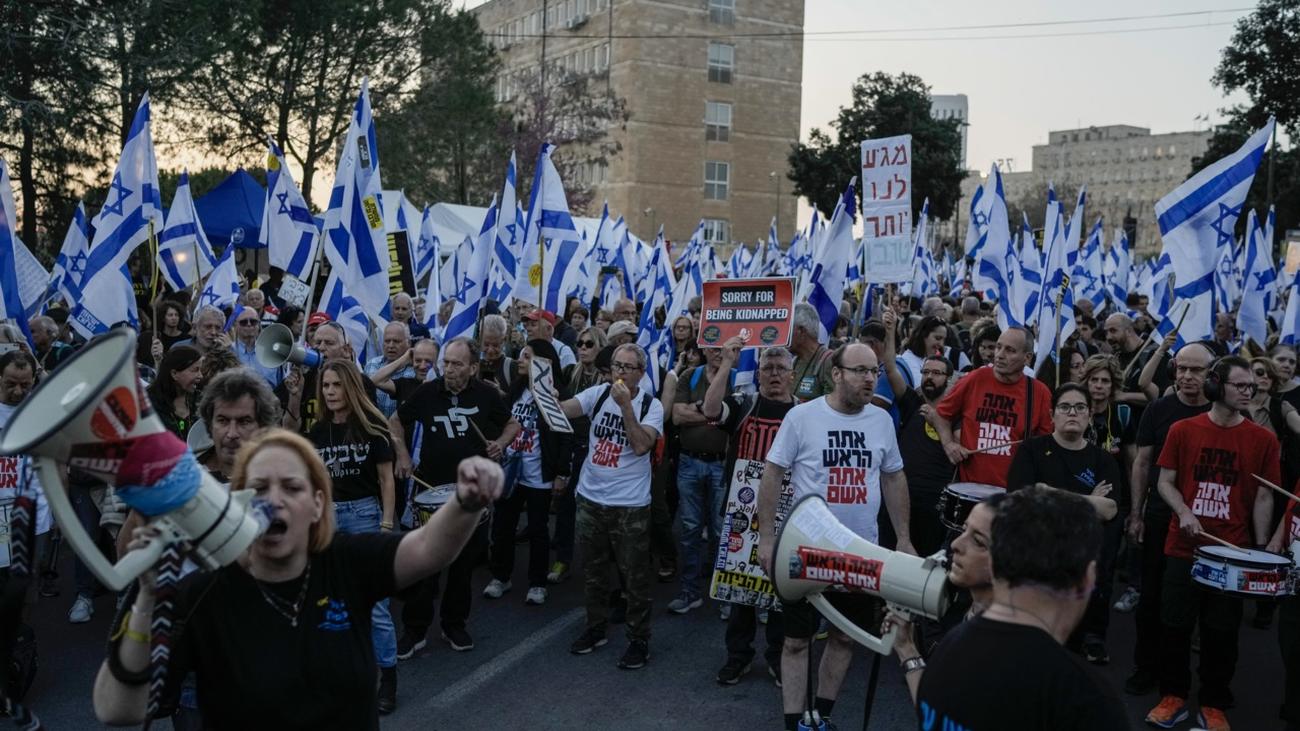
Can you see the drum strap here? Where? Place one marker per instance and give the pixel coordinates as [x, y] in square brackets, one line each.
[1029, 405]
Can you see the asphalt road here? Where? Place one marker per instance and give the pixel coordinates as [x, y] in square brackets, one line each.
[521, 675]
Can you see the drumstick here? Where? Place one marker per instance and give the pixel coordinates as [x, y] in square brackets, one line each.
[992, 447]
[1273, 487]
[1222, 542]
[418, 481]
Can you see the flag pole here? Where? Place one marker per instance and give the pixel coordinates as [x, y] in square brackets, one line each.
[153, 264]
[1060, 299]
[311, 293]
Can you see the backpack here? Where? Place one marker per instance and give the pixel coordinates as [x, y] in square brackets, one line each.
[657, 451]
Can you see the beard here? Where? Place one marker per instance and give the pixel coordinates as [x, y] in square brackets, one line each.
[932, 392]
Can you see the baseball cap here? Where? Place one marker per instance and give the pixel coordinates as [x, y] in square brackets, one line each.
[318, 318]
[622, 327]
[540, 314]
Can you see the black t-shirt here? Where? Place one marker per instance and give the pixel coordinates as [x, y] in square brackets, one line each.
[447, 435]
[1042, 459]
[404, 388]
[352, 459]
[753, 421]
[925, 463]
[256, 671]
[996, 676]
[1152, 431]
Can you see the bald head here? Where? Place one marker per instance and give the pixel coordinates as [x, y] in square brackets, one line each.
[1120, 333]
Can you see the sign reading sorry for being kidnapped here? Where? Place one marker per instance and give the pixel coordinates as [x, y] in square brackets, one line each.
[760, 311]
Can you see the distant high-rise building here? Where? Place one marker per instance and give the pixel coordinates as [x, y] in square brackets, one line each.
[952, 106]
[713, 91]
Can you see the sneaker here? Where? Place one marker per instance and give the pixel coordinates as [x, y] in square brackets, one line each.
[386, 698]
[666, 572]
[684, 603]
[496, 588]
[1212, 719]
[559, 572]
[724, 611]
[1094, 651]
[536, 595]
[636, 655]
[458, 638]
[590, 640]
[1171, 711]
[1128, 601]
[775, 672]
[409, 644]
[49, 585]
[732, 672]
[82, 610]
[21, 717]
[1140, 682]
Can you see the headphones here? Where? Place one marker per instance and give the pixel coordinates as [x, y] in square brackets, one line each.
[1213, 387]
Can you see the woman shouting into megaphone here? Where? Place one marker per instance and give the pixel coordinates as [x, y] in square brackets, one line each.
[282, 638]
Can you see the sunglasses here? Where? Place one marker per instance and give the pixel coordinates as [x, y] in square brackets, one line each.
[586, 343]
[246, 322]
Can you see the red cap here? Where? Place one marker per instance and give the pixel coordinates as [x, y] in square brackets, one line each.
[540, 314]
[318, 318]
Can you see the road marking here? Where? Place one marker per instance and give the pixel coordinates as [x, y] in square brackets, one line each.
[489, 671]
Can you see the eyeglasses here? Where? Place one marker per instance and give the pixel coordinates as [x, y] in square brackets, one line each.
[624, 367]
[773, 369]
[936, 374]
[859, 370]
[1072, 408]
[1261, 374]
[1194, 370]
[1247, 387]
[246, 322]
[586, 343]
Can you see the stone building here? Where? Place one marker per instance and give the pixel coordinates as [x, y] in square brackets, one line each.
[713, 92]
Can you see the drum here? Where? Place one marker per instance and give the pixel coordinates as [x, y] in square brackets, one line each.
[959, 498]
[426, 503]
[1243, 572]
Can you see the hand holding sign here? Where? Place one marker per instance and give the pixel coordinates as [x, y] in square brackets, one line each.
[541, 381]
[754, 309]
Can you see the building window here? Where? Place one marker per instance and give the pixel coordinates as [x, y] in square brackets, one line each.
[722, 11]
[717, 231]
[717, 121]
[722, 60]
[717, 177]
[1173, 150]
[603, 57]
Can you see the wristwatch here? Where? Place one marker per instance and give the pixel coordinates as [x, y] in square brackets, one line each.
[912, 664]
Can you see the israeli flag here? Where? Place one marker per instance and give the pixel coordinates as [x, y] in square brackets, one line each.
[1289, 330]
[1198, 218]
[658, 259]
[1029, 285]
[222, 286]
[1226, 289]
[1156, 287]
[125, 221]
[453, 270]
[427, 247]
[978, 221]
[473, 286]
[996, 256]
[1259, 285]
[289, 231]
[184, 253]
[549, 260]
[1118, 270]
[70, 264]
[651, 338]
[356, 242]
[506, 242]
[344, 309]
[1089, 269]
[1056, 299]
[832, 264]
[923, 281]
[12, 259]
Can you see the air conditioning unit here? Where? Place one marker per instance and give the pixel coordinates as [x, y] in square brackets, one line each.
[576, 22]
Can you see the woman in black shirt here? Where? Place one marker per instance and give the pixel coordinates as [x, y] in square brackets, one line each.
[281, 638]
[174, 393]
[172, 326]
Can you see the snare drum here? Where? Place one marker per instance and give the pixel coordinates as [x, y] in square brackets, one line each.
[959, 498]
[1243, 572]
[427, 503]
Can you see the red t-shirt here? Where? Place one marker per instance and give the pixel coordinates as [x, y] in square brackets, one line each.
[993, 412]
[1214, 465]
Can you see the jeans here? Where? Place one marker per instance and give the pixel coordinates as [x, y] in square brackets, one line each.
[701, 492]
[363, 516]
[518, 498]
[1186, 604]
[622, 536]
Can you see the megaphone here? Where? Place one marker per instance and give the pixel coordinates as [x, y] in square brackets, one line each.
[198, 438]
[87, 416]
[814, 551]
[276, 346]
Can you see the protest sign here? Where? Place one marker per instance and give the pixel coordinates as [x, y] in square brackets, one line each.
[887, 209]
[401, 275]
[760, 311]
[541, 380]
[737, 576]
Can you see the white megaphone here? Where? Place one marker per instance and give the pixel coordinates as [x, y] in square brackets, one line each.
[276, 346]
[87, 415]
[814, 551]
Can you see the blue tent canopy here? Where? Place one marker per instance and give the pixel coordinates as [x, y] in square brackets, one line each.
[232, 211]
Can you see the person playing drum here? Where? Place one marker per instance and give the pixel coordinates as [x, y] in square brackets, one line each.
[1206, 469]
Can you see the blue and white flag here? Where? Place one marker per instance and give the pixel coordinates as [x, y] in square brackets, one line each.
[289, 231]
[1056, 298]
[507, 241]
[996, 257]
[1119, 265]
[1289, 327]
[65, 280]
[184, 254]
[1028, 286]
[1226, 287]
[832, 263]
[356, 241]
[473, 287]
[222, 287]
[1259, 285]
[1198, 218]
[924, 274]
[11, 300]
[125, 221]
[658, 259]
[344, 309]
[977, 221]
[1156, 287]
[427, 246]
[657, 341]
[1089, 269]
[548, 263]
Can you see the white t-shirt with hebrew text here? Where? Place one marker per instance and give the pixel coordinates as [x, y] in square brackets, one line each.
[614, 475]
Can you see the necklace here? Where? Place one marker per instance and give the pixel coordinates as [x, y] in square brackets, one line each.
[1011, 611]
[288, 610]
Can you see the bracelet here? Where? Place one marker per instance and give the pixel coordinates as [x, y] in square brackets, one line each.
[912, 664]
[125, 631]
[385, 525]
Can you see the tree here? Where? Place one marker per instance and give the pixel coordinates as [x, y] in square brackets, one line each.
[883, 106]
[1263, 59]
[1033, 203]
[440, 143]
[566, 111]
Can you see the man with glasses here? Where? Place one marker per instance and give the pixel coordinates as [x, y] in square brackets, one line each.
[843, 449]
[1206, 477]
[752, 420]
[997, 408]
[613, 496]
[1148, 520]
[209, 330]
[247, 327]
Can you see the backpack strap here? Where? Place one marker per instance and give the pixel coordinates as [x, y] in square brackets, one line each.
[646, 398]
[1029, 404]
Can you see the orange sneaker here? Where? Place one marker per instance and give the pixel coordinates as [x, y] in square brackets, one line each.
[1212, 719]
[1170, 712]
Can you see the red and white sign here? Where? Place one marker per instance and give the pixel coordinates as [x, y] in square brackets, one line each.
[760, 311]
